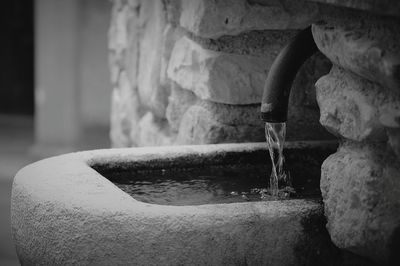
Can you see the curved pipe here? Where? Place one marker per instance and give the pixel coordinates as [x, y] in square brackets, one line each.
[283, 71]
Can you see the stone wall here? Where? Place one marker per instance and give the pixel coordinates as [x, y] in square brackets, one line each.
[192, 72]
[360, 103]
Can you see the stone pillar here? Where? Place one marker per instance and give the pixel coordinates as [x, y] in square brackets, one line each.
[192, 72]
[360, 103]
[57, 120]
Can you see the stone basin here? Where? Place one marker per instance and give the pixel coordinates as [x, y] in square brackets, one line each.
[63, 211]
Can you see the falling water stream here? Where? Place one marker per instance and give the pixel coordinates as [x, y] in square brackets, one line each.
[279, 181]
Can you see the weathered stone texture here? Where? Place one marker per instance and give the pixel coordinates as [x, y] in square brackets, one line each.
[355, 108]
[212, 19]
[359, 102]
[65, 213]
[152, 131]
[119, 123]
[152, 22]
[366, 45]
[216, 76]
[125, 113]
[207, 122]
[198, 121]
[361, 186]
[125, 107]
[179, 102]
[181, 80]
[265, 43]
[122, 45]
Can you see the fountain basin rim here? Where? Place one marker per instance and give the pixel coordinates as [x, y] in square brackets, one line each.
[63, 211]
[74, 171]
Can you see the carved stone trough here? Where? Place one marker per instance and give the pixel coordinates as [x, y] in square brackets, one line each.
[65, 212]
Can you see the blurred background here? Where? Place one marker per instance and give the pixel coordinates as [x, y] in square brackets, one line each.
[54, 88]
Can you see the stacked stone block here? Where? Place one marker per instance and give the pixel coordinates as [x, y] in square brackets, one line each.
[192, 72]
[360, 101]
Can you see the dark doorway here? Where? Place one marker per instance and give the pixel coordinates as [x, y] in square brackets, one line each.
[16, 57]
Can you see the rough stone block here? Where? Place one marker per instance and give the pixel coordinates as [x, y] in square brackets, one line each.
[125, 113]
[360, 187]
[366, 45]
[355, 108]
[303, 114]
[140, 42]
[265, 43]
[207, 122]
[178, 103]
[117, 34]
[123, 43]
[218, 77]
[153, 131]
[212, 19]
[119, 123]
[152, 41]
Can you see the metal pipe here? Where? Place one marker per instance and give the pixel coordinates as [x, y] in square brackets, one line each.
[283, 71]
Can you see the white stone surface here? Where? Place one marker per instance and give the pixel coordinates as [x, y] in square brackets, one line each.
[366, 45]
[350, 105]
[147, 44]
[360, 186]
[212, 19]
[64, 212]
[354, 108]
[140, 44]
[178, 103]
[152, 23]
[152, 131]
[206, 122]
[215, 76]
[125, 113]
[359, 102]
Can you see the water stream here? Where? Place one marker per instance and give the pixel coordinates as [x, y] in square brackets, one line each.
[279, 181]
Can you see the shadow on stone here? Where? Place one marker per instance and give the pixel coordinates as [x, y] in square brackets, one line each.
[394, 247]
[316, 248]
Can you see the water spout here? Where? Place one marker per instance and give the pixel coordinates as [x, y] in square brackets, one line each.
[275, 101]
[281, 75]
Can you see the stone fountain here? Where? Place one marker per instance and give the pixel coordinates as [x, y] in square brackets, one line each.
[197, 79]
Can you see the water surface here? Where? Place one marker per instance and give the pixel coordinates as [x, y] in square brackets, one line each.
[208, 185]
